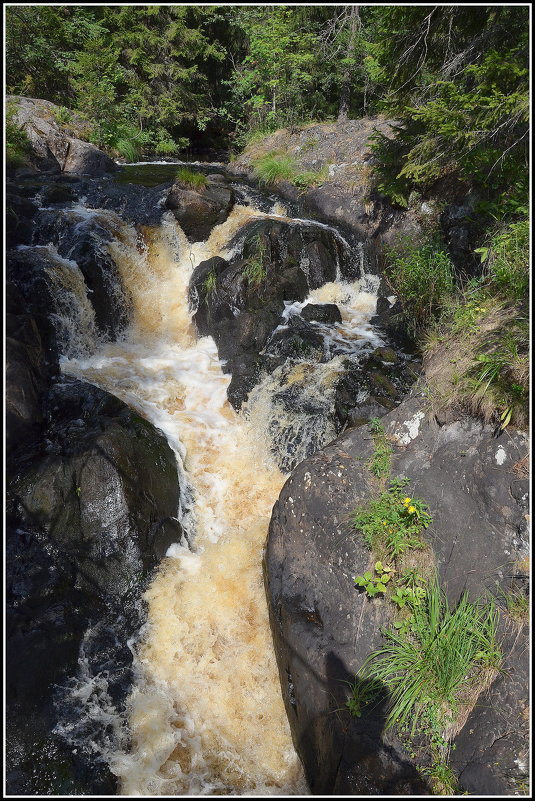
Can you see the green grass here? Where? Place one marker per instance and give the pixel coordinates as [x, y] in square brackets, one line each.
[430, 667]
[392, 524]
[508, 260]
[196, 180]
[379, 464]
[515, 603]
[423, 280]
[254, 269]
[274, 167]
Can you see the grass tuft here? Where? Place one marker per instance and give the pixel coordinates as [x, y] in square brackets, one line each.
[431, 665]
[191, 178]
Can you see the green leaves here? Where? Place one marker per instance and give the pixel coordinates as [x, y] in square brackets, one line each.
[375, 584]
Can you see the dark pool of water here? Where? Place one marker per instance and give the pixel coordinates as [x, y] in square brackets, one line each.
[156, 174]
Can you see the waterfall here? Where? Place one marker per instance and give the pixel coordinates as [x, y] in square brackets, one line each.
[205, 714]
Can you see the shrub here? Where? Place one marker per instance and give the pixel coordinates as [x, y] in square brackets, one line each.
[508, 260]
[197, 180]
[423, 280]
[62, 115]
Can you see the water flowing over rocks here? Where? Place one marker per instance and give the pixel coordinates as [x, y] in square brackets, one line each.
[92, 507]
[98, 272]
[324, 629]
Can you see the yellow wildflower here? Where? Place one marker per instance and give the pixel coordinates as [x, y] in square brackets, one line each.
[411, 510]
[407, 500]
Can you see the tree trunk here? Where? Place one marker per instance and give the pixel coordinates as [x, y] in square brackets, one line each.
[345, 89]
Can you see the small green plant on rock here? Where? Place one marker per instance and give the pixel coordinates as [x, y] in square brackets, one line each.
[393, 523]
[376, 582]
[381, 460]
[62, 115]
[363, 692]
[254, 269]
[210, 283]
[433, 666]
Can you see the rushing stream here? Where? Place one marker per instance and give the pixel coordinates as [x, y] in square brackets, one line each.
[205, 714]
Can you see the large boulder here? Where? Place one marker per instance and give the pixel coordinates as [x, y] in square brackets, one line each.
[85, 491]
[324, 629]
[199, 210]
[240, 303]
[56, 147]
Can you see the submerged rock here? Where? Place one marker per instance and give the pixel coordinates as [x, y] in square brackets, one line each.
[324, 629]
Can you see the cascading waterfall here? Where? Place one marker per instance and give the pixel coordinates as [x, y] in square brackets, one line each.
[206, 715]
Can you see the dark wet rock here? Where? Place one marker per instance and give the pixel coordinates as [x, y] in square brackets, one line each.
[241, 303]
[364, 391]
[20, 212]
[324, 630]
[384, 355]
[85, 493]
[56, 147]
[491, 755]
[390, 320]
[84, 240]
[217, 178]
[321, 313]
[27, 378]
[57, 193]
[198, 210]
[30, 294]
[134, 203]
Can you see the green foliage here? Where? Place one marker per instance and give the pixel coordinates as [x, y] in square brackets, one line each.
[459, 88]
[274, 167]
[508, 260]
[393, 523]
[254, 269]
[192, 178]
[62, 115]
[18, 146]
[410, 590]
[374, 583]
[430, 668]
[210, 284]
[423, 280]
[515, 603]
[442, 777]
[381, 460]
[363, 692]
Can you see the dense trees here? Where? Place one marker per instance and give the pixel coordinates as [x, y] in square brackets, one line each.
[455, 77]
